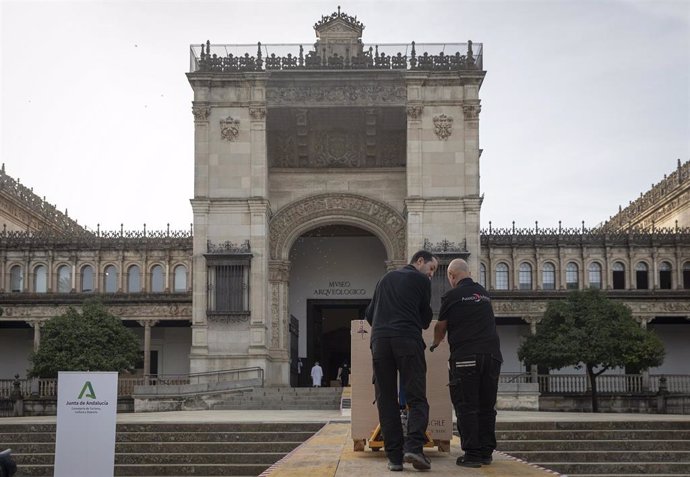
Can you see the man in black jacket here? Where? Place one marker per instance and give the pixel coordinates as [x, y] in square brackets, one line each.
[399, 311]
[475, 362]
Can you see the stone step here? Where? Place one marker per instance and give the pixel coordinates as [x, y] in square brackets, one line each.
[584, 445]
[190, 427]
[536, 456]
[591, 425]
[617, 468]
[274, 407]
[214, 437]
[163, 447]
[627, 475]
[583, 434]
[130, 459]
[164, 470]
[225, 427]
[295, 436]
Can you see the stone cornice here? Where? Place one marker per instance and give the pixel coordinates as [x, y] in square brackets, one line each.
[174, 311]
[519, 304]
[657, 203]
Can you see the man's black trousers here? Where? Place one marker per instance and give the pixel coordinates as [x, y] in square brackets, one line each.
[473, 388]
[406, 356]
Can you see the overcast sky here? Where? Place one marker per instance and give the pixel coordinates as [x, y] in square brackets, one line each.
[585, 103]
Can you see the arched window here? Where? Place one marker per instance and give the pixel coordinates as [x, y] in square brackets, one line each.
[64, 279]
[16, 279]
[525, 276]
[642, 276]
[686, 276]
[157, 279]
[548, 276]
[594, 275]
[110, 279]
[87, 279]
[40, 279]
[665, 270]
[572, 281]
[482, 275]
[180, 279]
[133, 279]
[502, 282]
[618, 276]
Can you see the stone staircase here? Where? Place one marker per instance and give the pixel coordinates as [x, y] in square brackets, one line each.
[583, 449]
[169, 449]
[283, 398]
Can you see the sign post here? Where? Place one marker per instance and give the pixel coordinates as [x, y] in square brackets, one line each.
[86, 417]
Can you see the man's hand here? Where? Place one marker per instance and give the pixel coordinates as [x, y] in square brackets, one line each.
[433, 347]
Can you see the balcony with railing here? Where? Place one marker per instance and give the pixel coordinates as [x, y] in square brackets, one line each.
[292, 57]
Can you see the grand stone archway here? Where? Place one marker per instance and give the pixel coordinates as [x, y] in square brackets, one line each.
[293, 220]
[325, 209]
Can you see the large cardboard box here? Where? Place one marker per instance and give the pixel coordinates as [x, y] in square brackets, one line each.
[364, 413]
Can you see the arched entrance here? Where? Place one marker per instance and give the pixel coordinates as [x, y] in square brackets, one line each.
[331, 249]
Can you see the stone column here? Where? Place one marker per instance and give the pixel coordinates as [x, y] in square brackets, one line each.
[471, 108]
[123, 276]
[415, 111]
[277, 335]
[644, 321]
[260, 289]
[533, 369]
[36, 325]
[259, 158]
[415, 225]
[147, 324]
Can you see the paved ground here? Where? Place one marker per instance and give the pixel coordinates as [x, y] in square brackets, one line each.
[330, 452]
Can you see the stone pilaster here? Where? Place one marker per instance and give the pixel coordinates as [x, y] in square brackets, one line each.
[278, 276]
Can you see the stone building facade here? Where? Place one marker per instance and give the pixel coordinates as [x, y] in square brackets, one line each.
[380, 140]
[316, 170]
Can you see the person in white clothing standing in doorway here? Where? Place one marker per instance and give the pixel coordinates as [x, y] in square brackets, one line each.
[316, 375]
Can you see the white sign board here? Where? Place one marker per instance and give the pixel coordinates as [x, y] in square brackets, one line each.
[86, 415]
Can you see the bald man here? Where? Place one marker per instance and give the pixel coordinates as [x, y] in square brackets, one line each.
[475, 362]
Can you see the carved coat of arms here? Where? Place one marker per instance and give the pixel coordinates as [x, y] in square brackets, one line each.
[443, 126]
[229, 128]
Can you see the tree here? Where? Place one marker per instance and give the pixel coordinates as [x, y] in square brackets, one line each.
[587, 329]
[93, 340]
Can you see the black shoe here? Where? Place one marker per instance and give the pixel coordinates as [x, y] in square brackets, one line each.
[486, 460]
[464, 461]
[393, 467]
[418, 461]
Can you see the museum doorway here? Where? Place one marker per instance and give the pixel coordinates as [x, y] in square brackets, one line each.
[333, 273]
[328, 333]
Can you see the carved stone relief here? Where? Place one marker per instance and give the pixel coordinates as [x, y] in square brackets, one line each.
[167, 312]
[229, 129]
[275, 314]
[201, 111]
[471, 111]
[361, 208]
[337, 149]
[344, 95]
[257, 114]
[443, 126]
[415, 112]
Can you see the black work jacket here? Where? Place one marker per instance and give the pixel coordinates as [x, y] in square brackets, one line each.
[470, 320]
[400, 305]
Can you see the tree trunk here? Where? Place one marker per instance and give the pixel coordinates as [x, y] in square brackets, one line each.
[593, 382]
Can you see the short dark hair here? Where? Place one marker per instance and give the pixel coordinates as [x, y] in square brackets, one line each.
[427, 256]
